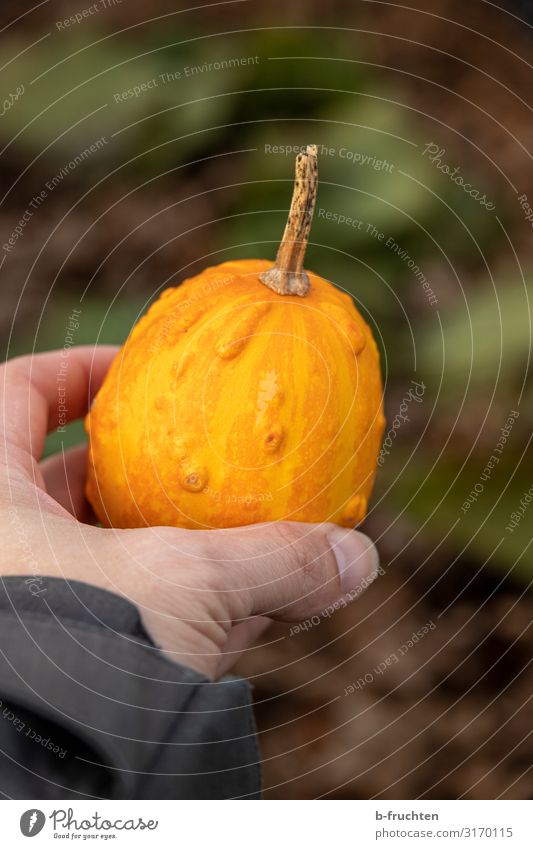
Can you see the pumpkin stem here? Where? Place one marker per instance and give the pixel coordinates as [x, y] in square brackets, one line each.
[287, 275]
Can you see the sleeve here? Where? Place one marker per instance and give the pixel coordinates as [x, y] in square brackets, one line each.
[90, 708]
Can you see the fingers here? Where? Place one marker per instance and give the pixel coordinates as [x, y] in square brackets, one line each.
[43, 391]
[64, 478]
[290, 570]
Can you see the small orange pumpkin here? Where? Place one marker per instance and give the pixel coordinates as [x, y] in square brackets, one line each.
[249, 393]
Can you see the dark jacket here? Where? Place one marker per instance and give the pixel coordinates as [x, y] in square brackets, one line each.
[91, 709]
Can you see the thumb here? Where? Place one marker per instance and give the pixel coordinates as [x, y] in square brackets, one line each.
[291, 570]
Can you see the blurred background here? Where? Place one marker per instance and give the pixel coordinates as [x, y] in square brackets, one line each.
[141, 143]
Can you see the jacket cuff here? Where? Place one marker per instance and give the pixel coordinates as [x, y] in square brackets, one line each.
[78, 656]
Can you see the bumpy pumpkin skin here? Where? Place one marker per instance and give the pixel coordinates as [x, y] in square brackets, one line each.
[230, 404]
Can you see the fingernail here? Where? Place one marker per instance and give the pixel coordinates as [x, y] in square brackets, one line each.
[356, 555]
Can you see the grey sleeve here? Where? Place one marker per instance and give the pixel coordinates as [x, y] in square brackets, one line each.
[90, 708]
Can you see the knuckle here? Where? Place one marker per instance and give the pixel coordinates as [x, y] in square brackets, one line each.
[18, 365]
[208, 573]
[301, 549]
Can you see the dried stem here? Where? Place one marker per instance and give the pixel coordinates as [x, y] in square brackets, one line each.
[287, 276]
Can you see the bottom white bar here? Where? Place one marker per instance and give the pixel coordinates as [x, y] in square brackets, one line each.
[268, 825]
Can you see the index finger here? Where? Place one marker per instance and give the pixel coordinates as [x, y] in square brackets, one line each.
[43, 391]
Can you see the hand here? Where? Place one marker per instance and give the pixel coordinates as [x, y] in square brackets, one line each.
[204, 596]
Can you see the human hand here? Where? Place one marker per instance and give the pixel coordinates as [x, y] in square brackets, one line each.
[204, 596]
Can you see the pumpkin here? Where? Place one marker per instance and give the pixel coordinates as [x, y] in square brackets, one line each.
[249, 393]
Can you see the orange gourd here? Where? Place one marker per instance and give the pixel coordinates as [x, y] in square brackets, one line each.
[249, 393]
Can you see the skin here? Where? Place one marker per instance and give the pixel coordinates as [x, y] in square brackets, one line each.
[204, 596]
